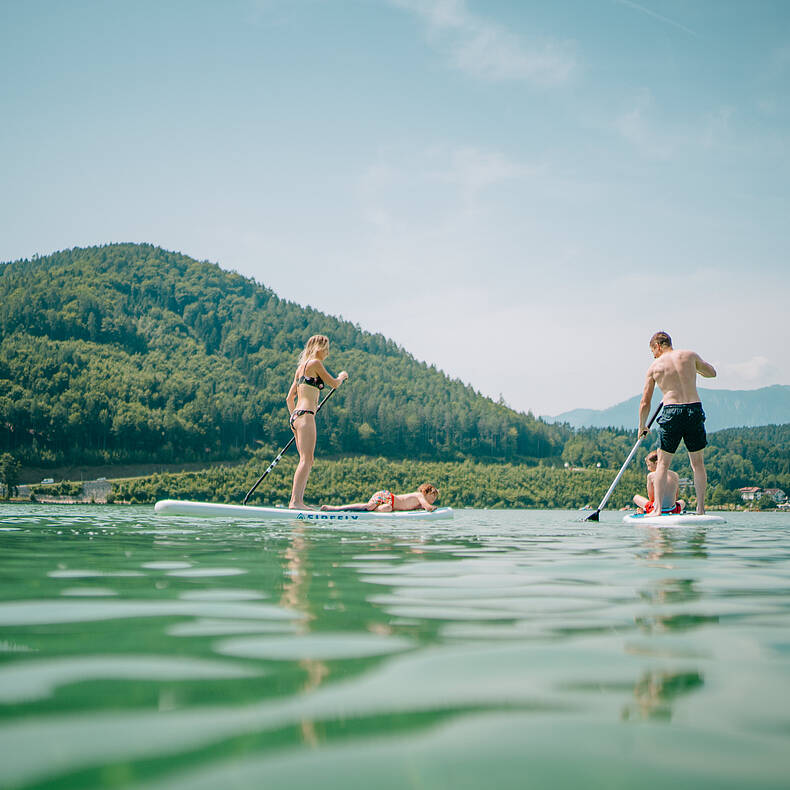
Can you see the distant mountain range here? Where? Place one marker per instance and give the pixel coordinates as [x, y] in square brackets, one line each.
[723, 409]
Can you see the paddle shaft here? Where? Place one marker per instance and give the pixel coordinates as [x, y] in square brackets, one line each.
[282, 452]
[594, 516]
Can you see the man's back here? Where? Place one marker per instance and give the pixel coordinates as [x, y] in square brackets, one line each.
[675, 373]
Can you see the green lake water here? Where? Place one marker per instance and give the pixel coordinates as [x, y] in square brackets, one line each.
[498, 650]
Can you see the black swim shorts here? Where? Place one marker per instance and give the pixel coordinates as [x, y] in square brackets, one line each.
[684, 421]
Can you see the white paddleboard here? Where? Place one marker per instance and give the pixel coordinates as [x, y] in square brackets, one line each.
[675, 520]
[177, 507]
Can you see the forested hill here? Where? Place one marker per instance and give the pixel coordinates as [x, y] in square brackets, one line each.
[128, 352]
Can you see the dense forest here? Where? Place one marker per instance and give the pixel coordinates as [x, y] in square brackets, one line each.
[734, 458]
[461, 484]
[749, 456]
[127, 352]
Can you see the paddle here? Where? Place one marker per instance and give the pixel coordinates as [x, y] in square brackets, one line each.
[282, 452]
[594, 516]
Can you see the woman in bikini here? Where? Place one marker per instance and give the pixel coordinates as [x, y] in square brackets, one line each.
[310, 378]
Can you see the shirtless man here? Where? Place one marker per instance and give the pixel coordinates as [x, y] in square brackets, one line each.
[682, 417]
[671, 503]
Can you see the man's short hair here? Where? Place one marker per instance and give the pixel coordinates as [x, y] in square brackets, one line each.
[661, 339]
[652, 456]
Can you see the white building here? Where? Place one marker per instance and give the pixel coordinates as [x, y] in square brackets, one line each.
[750, 493]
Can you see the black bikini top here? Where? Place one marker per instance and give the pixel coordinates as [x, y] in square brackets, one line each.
[311, 381]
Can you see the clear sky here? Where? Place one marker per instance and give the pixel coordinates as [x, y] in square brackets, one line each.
[518, 192]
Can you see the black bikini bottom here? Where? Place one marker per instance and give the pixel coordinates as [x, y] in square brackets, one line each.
[298, 413]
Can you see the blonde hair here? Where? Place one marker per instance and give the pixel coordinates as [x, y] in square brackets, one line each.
[315, 343]
[427, 488]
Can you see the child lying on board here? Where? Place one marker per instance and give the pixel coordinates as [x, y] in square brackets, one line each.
[387, 502]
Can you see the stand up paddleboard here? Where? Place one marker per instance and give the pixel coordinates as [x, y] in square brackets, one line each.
[678, 520]
[176, 507]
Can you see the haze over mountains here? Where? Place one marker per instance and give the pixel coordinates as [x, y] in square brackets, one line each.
[723, 409]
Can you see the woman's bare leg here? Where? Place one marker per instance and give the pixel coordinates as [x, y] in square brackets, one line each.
[304, 429]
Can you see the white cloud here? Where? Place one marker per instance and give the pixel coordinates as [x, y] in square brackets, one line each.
[758, 371]
[489, 51]
[645, 127]
[475, 168]
[434, 186]
[641, 130]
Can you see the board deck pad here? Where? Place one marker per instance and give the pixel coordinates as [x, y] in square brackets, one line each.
[678, 520]
[182, 507]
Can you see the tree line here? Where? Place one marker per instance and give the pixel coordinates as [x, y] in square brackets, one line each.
[352, 479]
[734, 458]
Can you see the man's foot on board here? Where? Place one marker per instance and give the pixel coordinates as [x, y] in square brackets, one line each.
[301, 507]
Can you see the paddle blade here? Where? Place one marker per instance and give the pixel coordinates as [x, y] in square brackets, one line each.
[593, 516]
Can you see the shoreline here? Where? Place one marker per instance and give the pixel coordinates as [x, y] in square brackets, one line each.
[461, 484]
[126, 503]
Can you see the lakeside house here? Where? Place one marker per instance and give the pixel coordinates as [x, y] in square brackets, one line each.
[750, 493]
[753, 493]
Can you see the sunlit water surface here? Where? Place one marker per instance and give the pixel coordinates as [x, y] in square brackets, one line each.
[499, 650]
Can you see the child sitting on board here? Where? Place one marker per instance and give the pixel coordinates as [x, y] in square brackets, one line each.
[387, 502]
[671, 503]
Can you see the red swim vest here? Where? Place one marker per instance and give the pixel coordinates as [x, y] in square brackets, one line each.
[677, 509]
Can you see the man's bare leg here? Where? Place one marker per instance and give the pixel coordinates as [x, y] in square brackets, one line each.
[660, 480]
[700, 479]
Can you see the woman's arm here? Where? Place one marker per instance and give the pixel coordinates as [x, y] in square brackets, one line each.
[290, 398]
[316, 366]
